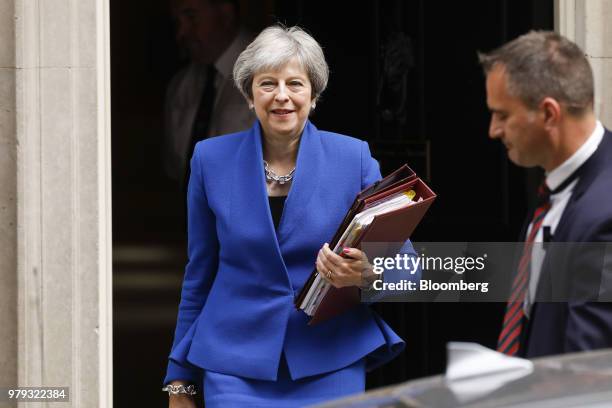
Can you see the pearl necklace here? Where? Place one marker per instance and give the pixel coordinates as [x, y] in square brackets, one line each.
[272, 176]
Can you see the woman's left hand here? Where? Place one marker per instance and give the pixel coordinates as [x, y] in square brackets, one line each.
[340, 271]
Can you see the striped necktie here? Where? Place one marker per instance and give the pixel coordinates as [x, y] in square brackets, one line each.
[514, 319]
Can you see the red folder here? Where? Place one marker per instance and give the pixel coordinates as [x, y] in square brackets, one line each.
[394, 226]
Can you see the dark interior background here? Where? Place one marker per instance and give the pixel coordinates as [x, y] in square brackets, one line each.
[404, 76]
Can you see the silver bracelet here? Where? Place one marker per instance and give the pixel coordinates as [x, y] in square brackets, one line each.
[180, 389]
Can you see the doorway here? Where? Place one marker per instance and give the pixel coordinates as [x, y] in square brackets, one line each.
[404, 77]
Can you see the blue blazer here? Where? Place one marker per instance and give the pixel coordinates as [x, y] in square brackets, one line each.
[578, 274]
[236, 314]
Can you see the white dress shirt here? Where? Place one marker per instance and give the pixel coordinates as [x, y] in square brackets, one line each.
[558, 203]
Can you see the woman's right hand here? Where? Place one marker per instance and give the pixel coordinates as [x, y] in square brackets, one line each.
[181, 401]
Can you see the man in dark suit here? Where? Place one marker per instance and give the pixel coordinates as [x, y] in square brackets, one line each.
[540, 93]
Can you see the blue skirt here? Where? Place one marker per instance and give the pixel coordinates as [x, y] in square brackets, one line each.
[228, 391]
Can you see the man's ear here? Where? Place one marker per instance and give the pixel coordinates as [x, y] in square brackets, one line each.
[551, 109]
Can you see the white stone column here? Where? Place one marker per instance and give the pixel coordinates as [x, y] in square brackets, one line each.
[55, 243]
[589, 24]
[8, 201]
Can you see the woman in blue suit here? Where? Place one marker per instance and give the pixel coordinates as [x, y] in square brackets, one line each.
[261, 204]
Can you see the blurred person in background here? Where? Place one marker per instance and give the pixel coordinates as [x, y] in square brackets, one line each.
[201, 100]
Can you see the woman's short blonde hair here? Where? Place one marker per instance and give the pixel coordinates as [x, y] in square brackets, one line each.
[273, 48]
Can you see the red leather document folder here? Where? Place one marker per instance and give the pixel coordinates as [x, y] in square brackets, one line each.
[394, 226]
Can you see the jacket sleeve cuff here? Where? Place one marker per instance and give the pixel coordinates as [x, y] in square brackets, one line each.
[176, 371]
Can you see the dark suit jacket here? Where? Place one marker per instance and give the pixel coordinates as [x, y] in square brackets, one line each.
[575, 275]
[236, 314]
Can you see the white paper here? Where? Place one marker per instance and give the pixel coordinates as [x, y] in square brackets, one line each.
[474, 370]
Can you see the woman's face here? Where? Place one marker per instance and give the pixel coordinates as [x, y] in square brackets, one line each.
[282, 100]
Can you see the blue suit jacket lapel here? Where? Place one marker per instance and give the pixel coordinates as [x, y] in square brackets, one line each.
[588, 172]
[249, 201]
[307, 174]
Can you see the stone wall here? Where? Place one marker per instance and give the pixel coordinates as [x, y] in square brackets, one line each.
[8, 198]
[55, 238]
[589, 24]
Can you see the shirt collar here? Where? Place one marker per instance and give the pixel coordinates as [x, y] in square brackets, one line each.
[557, 176]
[225, 63]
